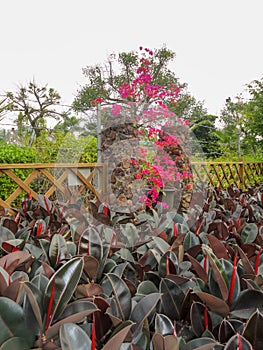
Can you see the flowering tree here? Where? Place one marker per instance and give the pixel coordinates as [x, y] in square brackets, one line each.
[137, 103]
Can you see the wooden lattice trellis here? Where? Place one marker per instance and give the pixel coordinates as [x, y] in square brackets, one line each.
[55, 177]
[225, 174]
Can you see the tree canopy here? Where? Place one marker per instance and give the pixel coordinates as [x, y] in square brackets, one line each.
[106, 82]
[34, 106]
[117, 81]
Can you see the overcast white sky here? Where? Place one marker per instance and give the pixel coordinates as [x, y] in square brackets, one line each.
[218, 42]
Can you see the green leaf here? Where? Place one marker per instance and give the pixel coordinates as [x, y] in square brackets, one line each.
[122, 295]
[15, 343]
[34, 296]
[125, 254]
[161, 244]
[249, 233]
[200, 344]
[143, 309]
[190, 240]
[73, 337]
[130, 232]
[215, 304]
[163, 325]
[197, 316]
[117, 340]
[253, 330]
[173, 264]
[90, 243]
[247, 303]
[57, 249]
[76, 317]
[171, 299]
[226, 331]
[12, 322]
[5, 235]
[219, 275]
[238, 342]
[146, 287]
[65, 281]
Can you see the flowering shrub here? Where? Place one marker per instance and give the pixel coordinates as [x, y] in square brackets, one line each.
[146, 105]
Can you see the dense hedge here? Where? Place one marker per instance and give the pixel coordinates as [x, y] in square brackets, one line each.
[13, 154]
[59, 149]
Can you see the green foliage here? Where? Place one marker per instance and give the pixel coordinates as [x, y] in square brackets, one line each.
[204, 129]
[104, 81]
[200, 287]
[12, 154]
[65, 148]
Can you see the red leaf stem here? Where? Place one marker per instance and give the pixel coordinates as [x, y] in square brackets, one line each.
[58, 259]
[88, 252]
[205, 262]
[30, 196]
[233, 279]
[17, 216]
[46, 204]
[206, 318]
[175, 230]
[175, 333]
[257, 261]
[50, 304]
[93, 335]
[239, 342]
[239, 222]
[197, 226]
[105, 210]
[167, 265]
[15, 249]
[24, 206]
[39, 228]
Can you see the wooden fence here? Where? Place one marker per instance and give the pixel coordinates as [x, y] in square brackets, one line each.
[54, 180]
[225, 174]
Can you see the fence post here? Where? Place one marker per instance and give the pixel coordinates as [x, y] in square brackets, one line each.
[241, 173]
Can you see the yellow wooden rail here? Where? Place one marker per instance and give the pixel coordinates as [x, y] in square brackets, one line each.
[52, 180]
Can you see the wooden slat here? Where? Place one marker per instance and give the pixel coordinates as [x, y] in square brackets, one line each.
[84, 180]
[18, 191]
[58, 184]
[20, 183]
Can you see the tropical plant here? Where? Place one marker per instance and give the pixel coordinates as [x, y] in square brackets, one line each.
[77, 279]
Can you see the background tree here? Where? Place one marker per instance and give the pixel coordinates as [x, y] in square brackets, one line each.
[233, 119]
[3, 107]
[253, 111]
[204, 129]
[242, 131]
[34, 106]
[104, 83]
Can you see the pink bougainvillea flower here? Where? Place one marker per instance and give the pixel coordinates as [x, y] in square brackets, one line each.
[116, 109]
[164, 205]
